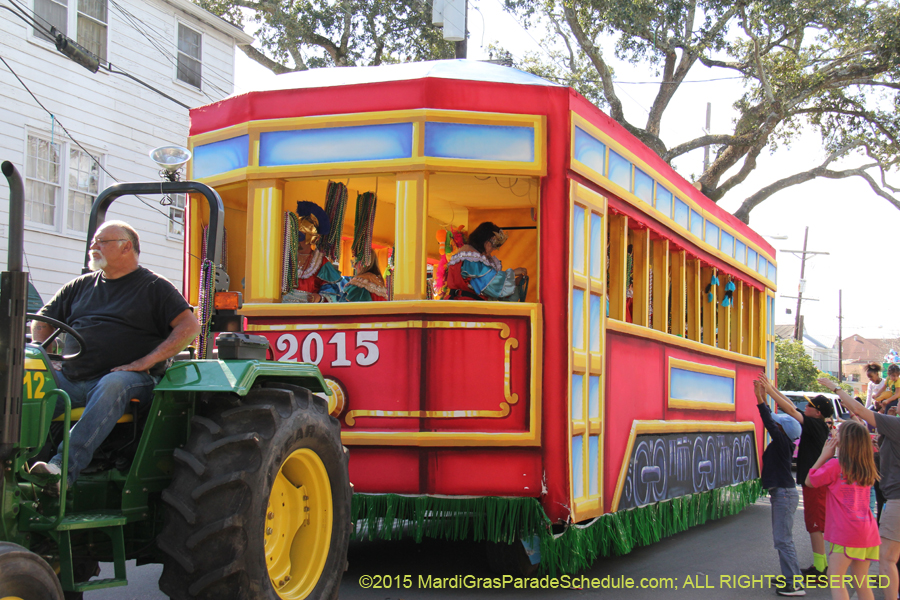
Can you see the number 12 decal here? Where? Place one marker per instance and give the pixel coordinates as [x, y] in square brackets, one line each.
[313, 348]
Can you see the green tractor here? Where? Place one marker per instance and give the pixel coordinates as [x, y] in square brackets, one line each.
[234, 478]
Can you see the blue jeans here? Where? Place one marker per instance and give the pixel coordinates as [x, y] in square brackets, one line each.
[784, 505]
[105, 400]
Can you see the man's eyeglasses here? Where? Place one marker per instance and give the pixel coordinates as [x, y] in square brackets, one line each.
[101, 242]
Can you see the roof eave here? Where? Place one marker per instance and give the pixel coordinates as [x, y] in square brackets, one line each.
[240, 38]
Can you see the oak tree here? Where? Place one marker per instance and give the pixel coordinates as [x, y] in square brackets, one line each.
[832, 66]
[296, 35]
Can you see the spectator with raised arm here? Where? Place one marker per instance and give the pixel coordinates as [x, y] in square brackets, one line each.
[889, 528]
[812, 439]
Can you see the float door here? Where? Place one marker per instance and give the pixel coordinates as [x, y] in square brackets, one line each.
[587, 341]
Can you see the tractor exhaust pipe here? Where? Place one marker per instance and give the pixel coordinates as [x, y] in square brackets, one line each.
[16, 216]
[13, 303]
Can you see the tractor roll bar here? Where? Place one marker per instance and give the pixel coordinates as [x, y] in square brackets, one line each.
[113, 192]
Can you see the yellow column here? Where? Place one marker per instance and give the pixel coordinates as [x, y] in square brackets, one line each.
[661, 285]
[694, 293]
[737, 319]
[678, 292]
[409, 236]
[265, 223]
[724, 319]
[618, 262]
[641, 276]
[709, 308]
[761, 324]
[750, 321]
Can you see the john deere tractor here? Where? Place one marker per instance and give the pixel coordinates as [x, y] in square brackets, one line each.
[234, 477]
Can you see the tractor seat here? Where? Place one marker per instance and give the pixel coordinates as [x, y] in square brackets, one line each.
[77, 412]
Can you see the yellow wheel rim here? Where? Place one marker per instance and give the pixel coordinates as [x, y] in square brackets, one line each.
[298, 524]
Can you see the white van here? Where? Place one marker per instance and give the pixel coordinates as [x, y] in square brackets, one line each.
[801, 399]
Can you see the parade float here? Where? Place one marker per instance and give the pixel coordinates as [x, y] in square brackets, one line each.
[611, 408]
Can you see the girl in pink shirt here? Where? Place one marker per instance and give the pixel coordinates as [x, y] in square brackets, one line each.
[851, 532]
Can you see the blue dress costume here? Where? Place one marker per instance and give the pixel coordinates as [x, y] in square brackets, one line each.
[473, 276]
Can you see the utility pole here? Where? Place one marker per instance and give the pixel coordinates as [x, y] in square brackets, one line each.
[801, 287]
[706, 131]
[840, 340]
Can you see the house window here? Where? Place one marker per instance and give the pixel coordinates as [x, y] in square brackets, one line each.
[84, 179]
[52, 13]
[88, 21]
[189, 55]
[60, 186]
[92, 21]
[42, 181]
[176, 216]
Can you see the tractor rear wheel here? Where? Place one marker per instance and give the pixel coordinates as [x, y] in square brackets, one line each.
[259, 504]
[26, 576]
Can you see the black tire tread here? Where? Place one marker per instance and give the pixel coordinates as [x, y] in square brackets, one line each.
[212, 536]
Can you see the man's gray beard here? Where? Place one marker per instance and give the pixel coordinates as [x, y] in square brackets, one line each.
[97, 264]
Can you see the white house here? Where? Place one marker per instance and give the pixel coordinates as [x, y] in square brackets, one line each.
[112, 120]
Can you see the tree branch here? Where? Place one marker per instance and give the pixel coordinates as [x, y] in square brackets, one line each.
[273, 65]
[615, 105]
[706, 140]
[743, 212]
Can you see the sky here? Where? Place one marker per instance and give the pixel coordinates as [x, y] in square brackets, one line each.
[846, 219]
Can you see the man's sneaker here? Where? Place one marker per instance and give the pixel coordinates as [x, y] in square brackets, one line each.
[812, 571]
[43, 468]
[790, 590]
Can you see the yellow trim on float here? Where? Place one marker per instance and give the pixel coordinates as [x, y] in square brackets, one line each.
[668, 338]
[700, 368]
[644, 427]
[532, 437]
[417, 162]
[649, 209]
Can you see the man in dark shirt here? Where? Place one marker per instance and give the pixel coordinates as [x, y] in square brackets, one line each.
[812, 439]
[132, 320]
[777, 478]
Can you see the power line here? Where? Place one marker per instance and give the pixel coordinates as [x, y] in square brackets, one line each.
[167, 54]
[77, 143]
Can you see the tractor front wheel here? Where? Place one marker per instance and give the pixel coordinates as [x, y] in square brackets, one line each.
[26, 576]
[259, 505]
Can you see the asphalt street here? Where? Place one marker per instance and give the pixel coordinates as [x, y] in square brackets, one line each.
[713, 555]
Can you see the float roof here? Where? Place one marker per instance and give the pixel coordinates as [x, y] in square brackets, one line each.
[462, 69]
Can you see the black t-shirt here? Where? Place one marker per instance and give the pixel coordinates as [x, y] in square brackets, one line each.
[813, 435]
[121, 320]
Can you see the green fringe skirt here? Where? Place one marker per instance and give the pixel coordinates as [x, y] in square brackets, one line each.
[503, 519]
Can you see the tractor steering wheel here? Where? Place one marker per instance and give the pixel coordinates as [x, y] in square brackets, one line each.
[60, 328]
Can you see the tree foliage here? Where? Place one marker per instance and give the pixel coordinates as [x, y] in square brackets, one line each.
[295, 35]
[796, 370]
[829, 65]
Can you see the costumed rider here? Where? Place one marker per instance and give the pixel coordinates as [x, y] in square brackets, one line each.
[317, 279]
[367, 285]
[474, 274]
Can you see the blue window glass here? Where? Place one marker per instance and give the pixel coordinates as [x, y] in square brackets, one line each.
[712, 234]
[593, 468]
[594, 323]
[590, 151]
[727, 243]
[772, 273]
[597, 244]
[682, 212]
[577, 467]
[664, 201]
[761, 266]
[619, 170]
[578, 319]
[578, 240]
[577, 397]
[643, 186]
[593, 397]
[740, 252]
[751, 258]
[696, 224]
